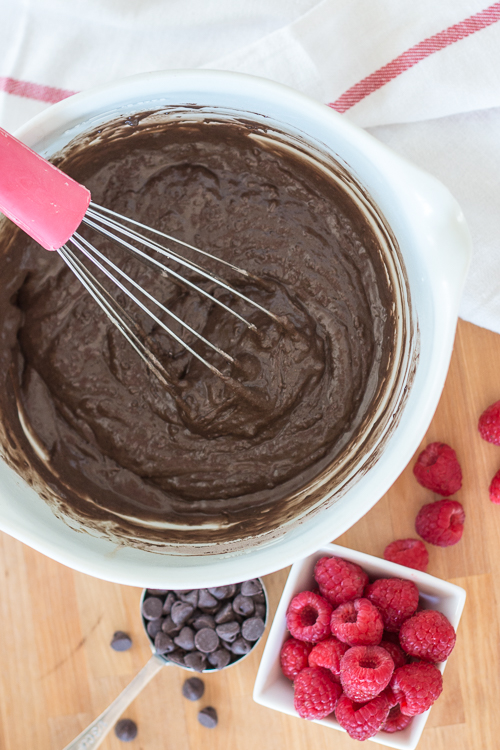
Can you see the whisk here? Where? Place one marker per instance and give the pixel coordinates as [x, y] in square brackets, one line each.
[50, 206]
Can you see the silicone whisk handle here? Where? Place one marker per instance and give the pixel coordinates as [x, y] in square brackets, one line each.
[43, 201]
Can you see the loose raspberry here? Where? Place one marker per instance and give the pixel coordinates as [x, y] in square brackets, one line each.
[396, 721]
[357, 623]
[441, 523]
[428, 635]
[416, 687]
[489, 424]
[365, 671]
[409, 552]
[395, 598]
[328, 654]
[395, 651]
[495, 489]
[438, 470]
[294, 657]
[339, 581]
[315, 693]
[362, 721]
[308, 617]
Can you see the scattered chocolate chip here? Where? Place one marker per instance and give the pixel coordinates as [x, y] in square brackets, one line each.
[194, 616]
[220, 592]
[206, 640]
[193, 689]
[120, 641]
[169, 626]
[163, 643]
[207, 602]
[252, 628]
[154, 626]
[240, 647]
[180, 612]
[126, 730]
[208, 717]
[259, 598]
[232, 590]
[219, 658]
[191, 597]
[168, 603]
[196, 661]
[204, 621]
[243, 605]
[228, 631]
[157, 592]
[185, 639]
[177, 657]
[152, 608]
[250, 588]
[225, 613]
[260, 610]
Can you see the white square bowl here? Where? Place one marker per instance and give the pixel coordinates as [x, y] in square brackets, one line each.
[274, 690]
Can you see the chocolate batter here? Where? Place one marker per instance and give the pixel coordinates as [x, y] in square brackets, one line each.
[200, 459]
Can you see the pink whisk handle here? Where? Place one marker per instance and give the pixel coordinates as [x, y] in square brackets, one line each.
[43, 201]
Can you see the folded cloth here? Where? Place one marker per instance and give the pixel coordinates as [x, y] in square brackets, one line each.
[422, 77]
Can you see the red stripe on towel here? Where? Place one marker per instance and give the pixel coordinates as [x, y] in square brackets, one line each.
[36, 91]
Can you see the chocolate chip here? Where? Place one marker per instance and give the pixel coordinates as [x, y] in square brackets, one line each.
[120, 641]
[240, 647]
[228, 631]
[191, 597]
[171, 598]
[180, 612]
[219, 658]
[252, 628]
[179, 592]
[152, 608]
[169, 626]
[206, 640]
[220, 592]
[260, 610]
[185, 639]
[207, 602]
[232, 590]
[250, 588]
[208, 717]
[259, 598]
[193, 689]
[177, 657]
[204, 621]
[163, 643]
[154, 626]
[158, 592]
[196, 661]
[243, 605]
[126, 730]
[225, 613]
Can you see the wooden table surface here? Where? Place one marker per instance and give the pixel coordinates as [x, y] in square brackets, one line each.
[57, 671]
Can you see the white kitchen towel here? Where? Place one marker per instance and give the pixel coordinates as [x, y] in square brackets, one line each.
[423, 77]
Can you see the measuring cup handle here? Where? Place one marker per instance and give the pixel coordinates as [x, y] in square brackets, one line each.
[93, 735]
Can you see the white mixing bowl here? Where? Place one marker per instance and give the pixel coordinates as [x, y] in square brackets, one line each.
[434, 244]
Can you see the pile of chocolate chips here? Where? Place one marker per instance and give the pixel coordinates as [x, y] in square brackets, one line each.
[205, 628]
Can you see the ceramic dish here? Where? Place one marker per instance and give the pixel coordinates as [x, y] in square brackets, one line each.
[273, 690]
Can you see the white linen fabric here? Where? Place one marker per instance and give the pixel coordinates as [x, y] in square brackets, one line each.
[441, 109]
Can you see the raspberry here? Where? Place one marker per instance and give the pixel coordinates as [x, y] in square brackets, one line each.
[409, 552]
[308, 617]
[441, 523]
[395, 598]
[328, 654]
[438, 470]
[416, 687]
[489, 424]
[365, 671]
[396, 721]
[357, 623]
[362, 721]
[315, 693]
[495, 488]
[395, 652]
[428, 635]
[293, 657]
[339, 581]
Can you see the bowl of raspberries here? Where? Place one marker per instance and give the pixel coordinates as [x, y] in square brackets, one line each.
[360, 644]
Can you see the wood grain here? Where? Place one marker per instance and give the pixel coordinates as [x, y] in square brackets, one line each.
[57, 671]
